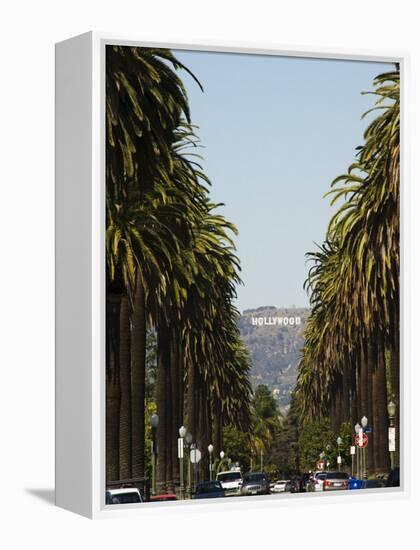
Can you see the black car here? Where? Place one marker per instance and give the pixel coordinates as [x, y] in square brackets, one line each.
[297, 484]
[209, 489]
[306, 479]
[255, 483]
[372, 484]
[393, 478]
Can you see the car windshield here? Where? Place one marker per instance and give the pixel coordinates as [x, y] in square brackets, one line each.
[321, 476]
[209, 487]
[229, 476]
[336, 475]
[254, 477]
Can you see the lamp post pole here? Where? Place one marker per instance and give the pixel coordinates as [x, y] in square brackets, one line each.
[154, 422]
[339, 442]
[222, 456]
[182, 434]
[210, 449]
[364, 423]
[357, 430]
[188, 439]
[391, 432]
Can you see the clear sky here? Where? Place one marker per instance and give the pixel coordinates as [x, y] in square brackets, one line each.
[276, 131]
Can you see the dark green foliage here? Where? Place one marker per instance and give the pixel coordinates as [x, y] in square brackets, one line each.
[264, 404]
[316, 437]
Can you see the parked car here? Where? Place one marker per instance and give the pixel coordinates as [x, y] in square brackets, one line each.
[297, 484]
[209, 489]
[281, 486]
[126, 495]
[255, 483]
[316, 482]
[393, 478]
[231, 482]
[306, 478]
[163, 497]
[373, 484]
[336, 481]
[355, 483]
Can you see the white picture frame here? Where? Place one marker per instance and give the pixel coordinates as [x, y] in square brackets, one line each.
[80, 269]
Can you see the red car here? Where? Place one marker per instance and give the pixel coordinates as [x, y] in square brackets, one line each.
[163, 497]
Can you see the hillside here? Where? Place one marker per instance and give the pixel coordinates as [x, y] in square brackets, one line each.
[274, 339]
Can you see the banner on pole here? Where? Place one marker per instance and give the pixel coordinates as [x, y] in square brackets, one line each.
[391, 439]
[180, 447]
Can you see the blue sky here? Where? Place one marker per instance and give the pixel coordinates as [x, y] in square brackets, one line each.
[276, 131]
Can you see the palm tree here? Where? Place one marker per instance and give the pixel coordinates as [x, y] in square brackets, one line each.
[170, 264]
[145, 103]
[354, 285]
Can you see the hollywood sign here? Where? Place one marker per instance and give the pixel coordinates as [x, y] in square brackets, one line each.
[275, 321]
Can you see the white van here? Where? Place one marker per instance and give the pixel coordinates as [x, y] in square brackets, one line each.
[231, 482]
[127, 495]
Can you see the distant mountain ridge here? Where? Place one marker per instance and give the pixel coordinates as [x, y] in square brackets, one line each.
[274, 337]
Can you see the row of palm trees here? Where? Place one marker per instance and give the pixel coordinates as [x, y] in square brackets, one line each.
[350, 359]
[171, 268]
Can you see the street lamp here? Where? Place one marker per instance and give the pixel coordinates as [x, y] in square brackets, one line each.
[182, 433]
[222, 455]
[210, 449]
[339, 442]
[364, 421]
[392, 409]
[154, 423]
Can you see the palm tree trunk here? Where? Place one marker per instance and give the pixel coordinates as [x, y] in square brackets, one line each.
[164, 462]
[380, 415]
[202, 435]
[113, 389]
[395, 389]
[175, 416]
[181, 390]
[370, 449]
[335, 411]
[138, 378]
[346, 414]
[125, 383]
[363, 382]
[191, 400]
[217, 426]
[353, 394]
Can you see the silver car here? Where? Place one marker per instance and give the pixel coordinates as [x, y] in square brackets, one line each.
[255, 483]
[336, 481]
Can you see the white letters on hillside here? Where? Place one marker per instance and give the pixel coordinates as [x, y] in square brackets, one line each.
[275, 321]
